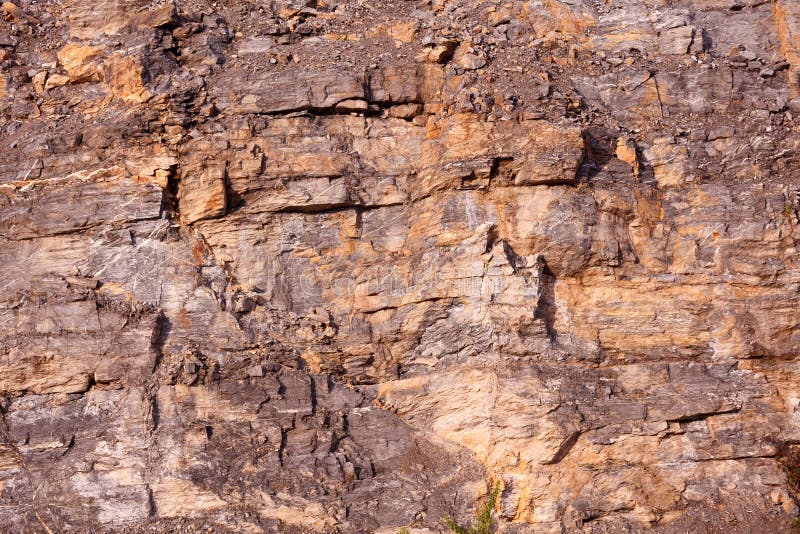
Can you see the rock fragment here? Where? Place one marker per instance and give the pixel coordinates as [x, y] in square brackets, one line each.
[471, 62]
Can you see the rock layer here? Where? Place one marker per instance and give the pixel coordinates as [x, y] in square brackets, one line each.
[332, 266]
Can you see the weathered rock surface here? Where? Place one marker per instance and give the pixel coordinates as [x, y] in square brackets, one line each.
[332, 266]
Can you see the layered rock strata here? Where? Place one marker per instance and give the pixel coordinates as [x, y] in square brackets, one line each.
[320, 266]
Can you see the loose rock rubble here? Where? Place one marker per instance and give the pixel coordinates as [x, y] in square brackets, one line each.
[326, 266]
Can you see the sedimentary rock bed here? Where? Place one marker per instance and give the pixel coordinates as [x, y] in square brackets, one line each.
[321, 266]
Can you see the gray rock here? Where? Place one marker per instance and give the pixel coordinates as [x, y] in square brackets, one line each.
[471, 62]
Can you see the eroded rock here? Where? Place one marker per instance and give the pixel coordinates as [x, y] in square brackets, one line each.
[329, 267]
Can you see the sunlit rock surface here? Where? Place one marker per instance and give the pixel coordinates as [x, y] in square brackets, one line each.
[322, 266]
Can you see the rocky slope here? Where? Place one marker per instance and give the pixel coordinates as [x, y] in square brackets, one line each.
[329, 266]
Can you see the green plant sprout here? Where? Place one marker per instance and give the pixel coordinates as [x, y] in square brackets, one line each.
[483, 519]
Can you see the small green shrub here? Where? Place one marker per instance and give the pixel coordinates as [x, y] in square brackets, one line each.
[483, 519]
[788, 456]
[789, 459]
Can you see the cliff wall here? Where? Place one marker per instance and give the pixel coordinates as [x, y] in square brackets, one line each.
[319, 266]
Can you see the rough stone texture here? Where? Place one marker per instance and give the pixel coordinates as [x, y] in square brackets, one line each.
[321, 266]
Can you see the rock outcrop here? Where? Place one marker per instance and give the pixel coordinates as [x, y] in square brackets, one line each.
[321, 266]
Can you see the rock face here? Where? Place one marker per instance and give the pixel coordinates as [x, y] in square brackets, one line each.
[321, 266]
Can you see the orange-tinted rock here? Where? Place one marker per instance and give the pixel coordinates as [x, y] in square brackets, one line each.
[202, 192]
[787, 24]
[82, 62]
[124, 76]
[56, 80]
[331, 266]
[11, 10]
